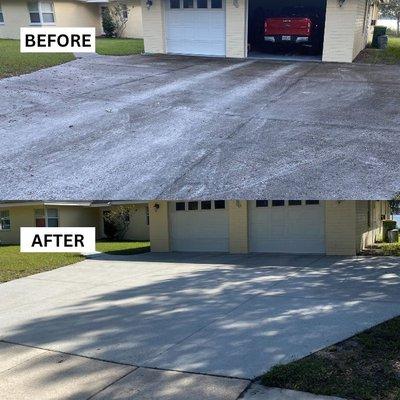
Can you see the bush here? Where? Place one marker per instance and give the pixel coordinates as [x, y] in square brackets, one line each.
[108, 24]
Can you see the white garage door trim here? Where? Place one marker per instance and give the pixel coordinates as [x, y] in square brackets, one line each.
[199, 230]
[195, 31]
[287, 229]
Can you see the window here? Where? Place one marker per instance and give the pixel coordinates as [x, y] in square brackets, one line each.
[202, 3]
[278, 203]
[312, 202]
[187, 3]
[206, 205]
[262, 203]
[219, 204]
[294, 202]
[216, 3]
[147, 216]
[125, 12]
[41, 12]
[1, 16]
[193, 205]
[46, 217]
[180, 206]
[5, 222]
[174, 3]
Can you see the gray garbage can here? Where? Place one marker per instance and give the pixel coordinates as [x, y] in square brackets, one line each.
[393, 236]
[383, 41]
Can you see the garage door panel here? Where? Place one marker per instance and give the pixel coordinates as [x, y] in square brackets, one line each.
[287, 229]
[201, 230]
[195, 31]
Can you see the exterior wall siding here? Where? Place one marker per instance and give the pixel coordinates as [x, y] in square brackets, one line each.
[67, 13]
[236, 29]
[238, 227]
[24, 216]
[153, 27]
[159, 226]
[340, 227]
[134, 26]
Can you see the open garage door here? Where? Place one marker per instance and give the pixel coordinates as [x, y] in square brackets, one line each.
[195, 27]
[199, 226]
[286, 29]
[293, 226]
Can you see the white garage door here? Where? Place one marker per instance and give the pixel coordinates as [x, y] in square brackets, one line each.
[199, 226]
[287, 226]
[195, 27]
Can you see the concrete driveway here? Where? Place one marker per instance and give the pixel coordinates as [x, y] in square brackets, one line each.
[147, 127]
[156, 316]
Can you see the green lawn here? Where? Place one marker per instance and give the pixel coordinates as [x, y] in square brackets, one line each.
[364, 367]
[376, 56]
[14, 265]
[12, 62]
[119, 47]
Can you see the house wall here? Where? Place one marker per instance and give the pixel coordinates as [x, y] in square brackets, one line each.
[134, 26]
[346, 30]
[346, 228]
[69, 216]
[153, 27]
[236, 29]
[159, 226]
[369, 222]
[67, 13]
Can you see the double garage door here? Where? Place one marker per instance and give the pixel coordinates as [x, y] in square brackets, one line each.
[195, 27]
[273, 226]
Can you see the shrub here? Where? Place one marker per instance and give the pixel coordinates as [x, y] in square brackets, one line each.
[108, 23]
[387, 225]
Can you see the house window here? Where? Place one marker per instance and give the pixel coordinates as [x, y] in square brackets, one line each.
[278, 203]
[206, 205]
[219, 204]
[180, 206]
[216, 3]
[1, 16]
[261, 203]
[46, 218]
[187, 3]
[147, 216]
[41, 12]
[174, 3]
[294, 202]
[202, 3]
[125, 12]
[312, 202]
[5, 222]
[193, 205]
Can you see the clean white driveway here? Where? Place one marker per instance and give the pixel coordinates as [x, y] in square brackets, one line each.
[216, 314]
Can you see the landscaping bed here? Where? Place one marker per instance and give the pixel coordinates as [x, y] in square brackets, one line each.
[391, 55]
[363, 367]
[14, 264]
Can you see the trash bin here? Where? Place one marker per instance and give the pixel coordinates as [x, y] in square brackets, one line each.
[393, 236]
[383, 42]
[378, 31]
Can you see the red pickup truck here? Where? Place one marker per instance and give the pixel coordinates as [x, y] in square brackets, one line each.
[295, 27]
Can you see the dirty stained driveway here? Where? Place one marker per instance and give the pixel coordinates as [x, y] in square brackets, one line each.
[180, 127]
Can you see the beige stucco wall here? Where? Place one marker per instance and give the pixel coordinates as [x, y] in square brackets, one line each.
[159, 226]
[134, 26]
[369, 221]
[69, 216]
[153, 27]
[138, 228]
[345, 35]
[68, 13]
[236, 29]
[238, 227]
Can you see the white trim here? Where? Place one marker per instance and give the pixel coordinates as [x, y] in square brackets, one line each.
[40, 12]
